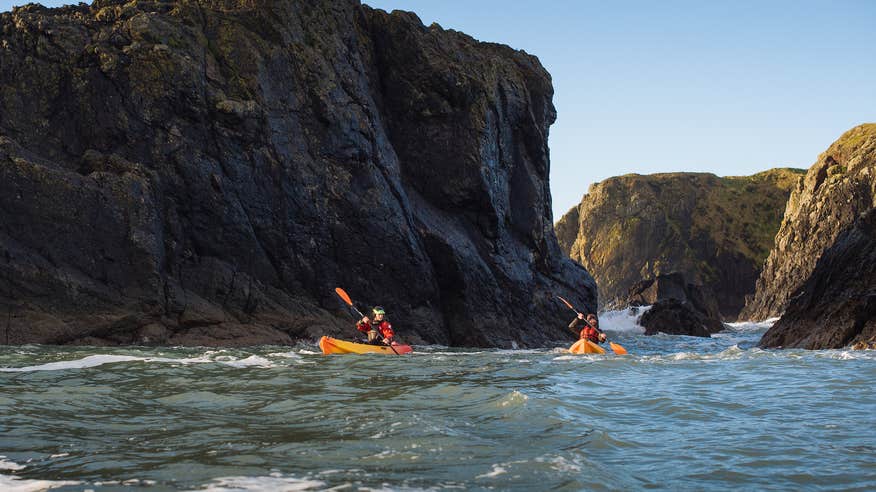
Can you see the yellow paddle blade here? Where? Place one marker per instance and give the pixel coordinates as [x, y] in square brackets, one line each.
[343, 295]
[617, 348]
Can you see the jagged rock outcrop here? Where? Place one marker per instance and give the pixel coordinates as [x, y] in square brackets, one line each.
[207, 172]
[716, 231]
[675, 317]
[836, 305]
[673, 286]
[836, 191]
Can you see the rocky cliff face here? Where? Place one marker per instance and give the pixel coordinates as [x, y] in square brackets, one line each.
[206, 172]
[715, 231]
[836, 191]
[689, 302]
[836, 305]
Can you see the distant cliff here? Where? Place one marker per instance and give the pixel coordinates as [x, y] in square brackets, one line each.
[207, 172]
[820, 275]
[716, 231]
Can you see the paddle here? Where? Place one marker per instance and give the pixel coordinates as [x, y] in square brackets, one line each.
[346, 298]
[617, 348]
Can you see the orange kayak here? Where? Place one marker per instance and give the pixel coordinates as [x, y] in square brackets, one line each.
[586, 347]
[331, 345]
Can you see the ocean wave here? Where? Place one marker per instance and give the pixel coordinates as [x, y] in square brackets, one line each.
[12, 483]
[623, 320]
[495, 472]
[210, 357]
[751, 326]
[9, 465]
[272, 482]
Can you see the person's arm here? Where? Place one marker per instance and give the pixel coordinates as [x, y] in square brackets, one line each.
[386, 331]
[362, 325]
[575, 321]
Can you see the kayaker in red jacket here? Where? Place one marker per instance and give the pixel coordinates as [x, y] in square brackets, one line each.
[377, 327]
[591, 329]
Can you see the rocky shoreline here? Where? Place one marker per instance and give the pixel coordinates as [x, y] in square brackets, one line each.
[178, 173]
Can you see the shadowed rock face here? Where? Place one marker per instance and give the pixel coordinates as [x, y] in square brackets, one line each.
[675, 317]
[715, 231]
[207, 172]
[836, 191]
[836, 306]
[696, 299]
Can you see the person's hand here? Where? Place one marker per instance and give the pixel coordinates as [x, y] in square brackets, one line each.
[580, 315]
[366, 320]
[602, 338]
[387, 341]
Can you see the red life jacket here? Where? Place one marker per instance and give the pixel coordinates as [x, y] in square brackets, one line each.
[384, 328]
[590, 333]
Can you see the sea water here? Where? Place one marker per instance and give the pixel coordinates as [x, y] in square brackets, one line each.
[677, 413]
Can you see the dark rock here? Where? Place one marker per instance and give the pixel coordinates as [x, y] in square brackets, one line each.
[716, 231]
[836, 306]
[218, 168]
[837, 189]
[674, 317]
[673, 286]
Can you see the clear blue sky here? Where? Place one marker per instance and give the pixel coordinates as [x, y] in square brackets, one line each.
[731, 87]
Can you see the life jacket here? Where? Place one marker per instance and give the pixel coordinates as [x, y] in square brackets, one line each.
[383, 327]
[590, 333]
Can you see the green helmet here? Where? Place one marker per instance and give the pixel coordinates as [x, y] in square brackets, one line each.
[378, 310]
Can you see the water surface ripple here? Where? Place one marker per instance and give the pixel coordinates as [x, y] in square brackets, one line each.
[680, 413]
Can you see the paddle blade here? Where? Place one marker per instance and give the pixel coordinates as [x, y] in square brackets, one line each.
[567, 304]
[617, 348]
[343, 295]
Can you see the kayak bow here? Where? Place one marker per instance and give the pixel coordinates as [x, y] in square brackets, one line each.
[586, 347]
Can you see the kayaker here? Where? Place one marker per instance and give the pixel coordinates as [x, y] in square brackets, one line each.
[591, 329]
[378, 329]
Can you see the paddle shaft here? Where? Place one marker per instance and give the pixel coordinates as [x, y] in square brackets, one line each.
[569, 305]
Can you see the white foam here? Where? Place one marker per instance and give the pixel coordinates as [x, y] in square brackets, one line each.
[752, 325]
[623, 320]
[9, 483]
[9, 465]
[273, 482]
[286, 355]
[497, 470]
[99, 360]
[515, 398]
[561, 464]
[90, 361]
[251, 361]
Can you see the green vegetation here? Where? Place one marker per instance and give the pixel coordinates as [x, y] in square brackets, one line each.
[714, 230]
